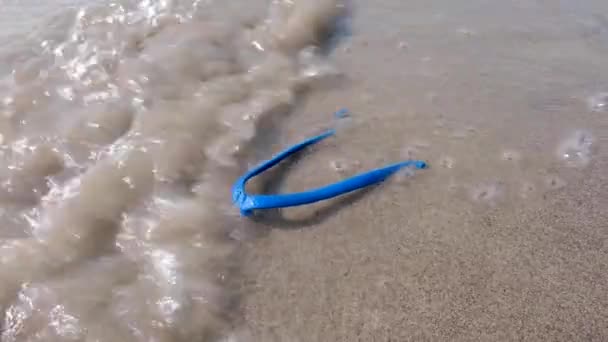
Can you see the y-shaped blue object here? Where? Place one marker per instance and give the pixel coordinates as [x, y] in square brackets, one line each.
[248, 203]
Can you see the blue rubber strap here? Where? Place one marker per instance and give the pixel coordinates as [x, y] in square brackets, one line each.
[247, 203]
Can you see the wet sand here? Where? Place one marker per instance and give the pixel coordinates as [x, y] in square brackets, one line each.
[504, 238]
[405, 268]
[499, 240]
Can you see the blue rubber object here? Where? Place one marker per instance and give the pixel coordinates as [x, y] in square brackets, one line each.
[248, 203]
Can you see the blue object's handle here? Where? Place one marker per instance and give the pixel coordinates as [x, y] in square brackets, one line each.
[248, 203]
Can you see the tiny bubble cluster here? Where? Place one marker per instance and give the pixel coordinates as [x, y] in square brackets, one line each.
[575, 150]
[598, 102]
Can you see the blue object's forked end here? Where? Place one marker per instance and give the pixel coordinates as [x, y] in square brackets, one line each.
[248, 203]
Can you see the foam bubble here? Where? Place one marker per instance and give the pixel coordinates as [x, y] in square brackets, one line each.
[314, 67]
[598, 102]
[343, 167]
[403, 45]
[447, 162]
[575, 150]
[510, 156]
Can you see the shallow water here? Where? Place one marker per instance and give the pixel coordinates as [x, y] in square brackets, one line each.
[123, 125]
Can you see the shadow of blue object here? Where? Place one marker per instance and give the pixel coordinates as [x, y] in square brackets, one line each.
[248, 203]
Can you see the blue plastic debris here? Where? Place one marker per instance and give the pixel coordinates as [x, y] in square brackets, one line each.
[342, 113]
[248, 203]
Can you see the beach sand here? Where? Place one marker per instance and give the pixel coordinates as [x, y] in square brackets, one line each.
[498, 240]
